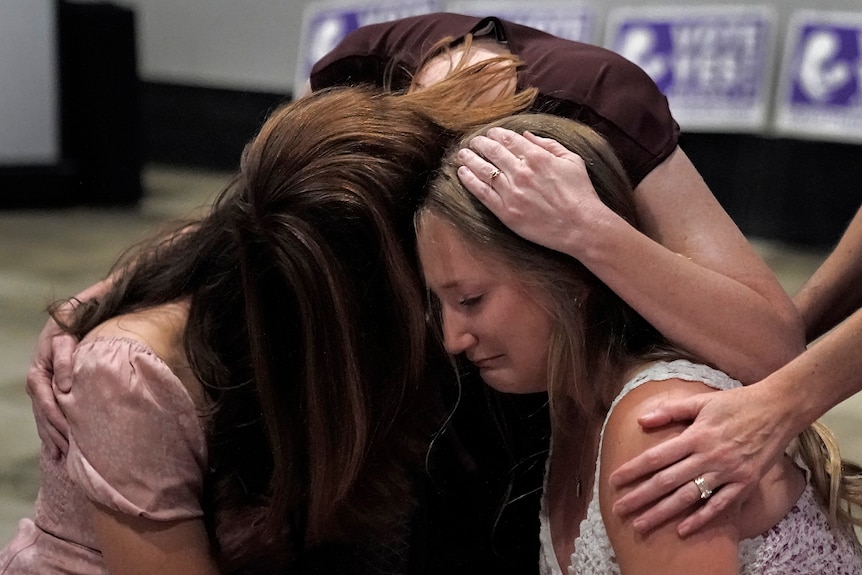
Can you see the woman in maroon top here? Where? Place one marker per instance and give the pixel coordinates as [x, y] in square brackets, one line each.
[687, 236]
[595, 86]
[759, 330]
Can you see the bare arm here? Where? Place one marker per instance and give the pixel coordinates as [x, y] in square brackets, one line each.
[727, 307]
[691, 273]
[738, 434]
[833, 292]
[140, 546]
[714, 550]
[739, 442]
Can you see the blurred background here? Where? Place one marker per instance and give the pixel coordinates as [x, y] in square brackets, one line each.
[118, 116]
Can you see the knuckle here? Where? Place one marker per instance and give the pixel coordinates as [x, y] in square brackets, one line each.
[35, 377]
[668, 480]
[501, 134]
[495, 148]
[716, 505]
[724, 451]
[654, 457]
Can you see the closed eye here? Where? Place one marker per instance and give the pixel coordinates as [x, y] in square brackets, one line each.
[470, 301]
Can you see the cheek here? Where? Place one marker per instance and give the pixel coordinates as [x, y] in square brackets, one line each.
[537, 324]
[537, 336]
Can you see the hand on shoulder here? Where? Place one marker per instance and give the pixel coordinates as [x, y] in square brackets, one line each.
[716, 545]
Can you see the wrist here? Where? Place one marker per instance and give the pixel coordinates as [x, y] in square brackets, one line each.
[596, 238]
[790, 409]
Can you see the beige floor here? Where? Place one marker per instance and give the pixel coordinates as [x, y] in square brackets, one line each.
[54, 254]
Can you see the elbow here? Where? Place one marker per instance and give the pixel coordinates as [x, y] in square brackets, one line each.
[792, 340]
[782, 343]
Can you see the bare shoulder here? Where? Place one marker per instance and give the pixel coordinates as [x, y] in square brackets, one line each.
[161, 329]
[624, 437]
[715, 545]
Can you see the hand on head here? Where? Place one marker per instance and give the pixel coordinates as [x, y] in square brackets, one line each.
[542, 191]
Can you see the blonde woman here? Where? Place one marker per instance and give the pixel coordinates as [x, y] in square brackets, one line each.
[527, 318]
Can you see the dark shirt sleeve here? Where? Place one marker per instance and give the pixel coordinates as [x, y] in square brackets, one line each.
[364, 55]
[603, 90]
[576, 80]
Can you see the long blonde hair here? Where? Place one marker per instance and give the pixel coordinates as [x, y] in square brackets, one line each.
[837, 481]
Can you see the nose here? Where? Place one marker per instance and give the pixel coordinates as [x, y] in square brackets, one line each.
[457, 338]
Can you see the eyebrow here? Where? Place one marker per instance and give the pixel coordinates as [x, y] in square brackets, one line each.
[447, 285]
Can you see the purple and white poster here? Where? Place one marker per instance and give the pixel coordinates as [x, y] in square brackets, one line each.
[712, 62]
[564, 18]
[820, 92]
[324, 24]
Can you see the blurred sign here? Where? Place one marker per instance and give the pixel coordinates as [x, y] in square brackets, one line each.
[563, 18]
[713, 63]
[324, 24]
[820, 92]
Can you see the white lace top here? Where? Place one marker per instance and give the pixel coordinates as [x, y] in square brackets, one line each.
[802, 543]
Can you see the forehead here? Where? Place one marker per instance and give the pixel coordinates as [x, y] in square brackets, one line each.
[440, 65]
[447, 256]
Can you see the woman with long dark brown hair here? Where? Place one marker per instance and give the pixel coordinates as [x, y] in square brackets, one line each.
[251, 385]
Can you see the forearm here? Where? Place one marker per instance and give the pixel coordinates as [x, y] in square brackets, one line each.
[818, 315]
[829, 372]
[832, 293]
[712, 315]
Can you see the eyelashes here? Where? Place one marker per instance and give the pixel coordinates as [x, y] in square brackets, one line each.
[470, 301]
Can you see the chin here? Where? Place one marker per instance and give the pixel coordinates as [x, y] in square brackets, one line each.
[503, 384]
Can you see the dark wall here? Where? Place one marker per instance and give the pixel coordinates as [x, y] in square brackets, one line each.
[796, 191]
[100, 101]
[99, 104]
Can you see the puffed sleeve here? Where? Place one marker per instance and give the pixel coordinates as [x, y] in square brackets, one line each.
[136, 443]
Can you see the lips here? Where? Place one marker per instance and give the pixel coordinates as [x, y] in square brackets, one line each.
[485, 361]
